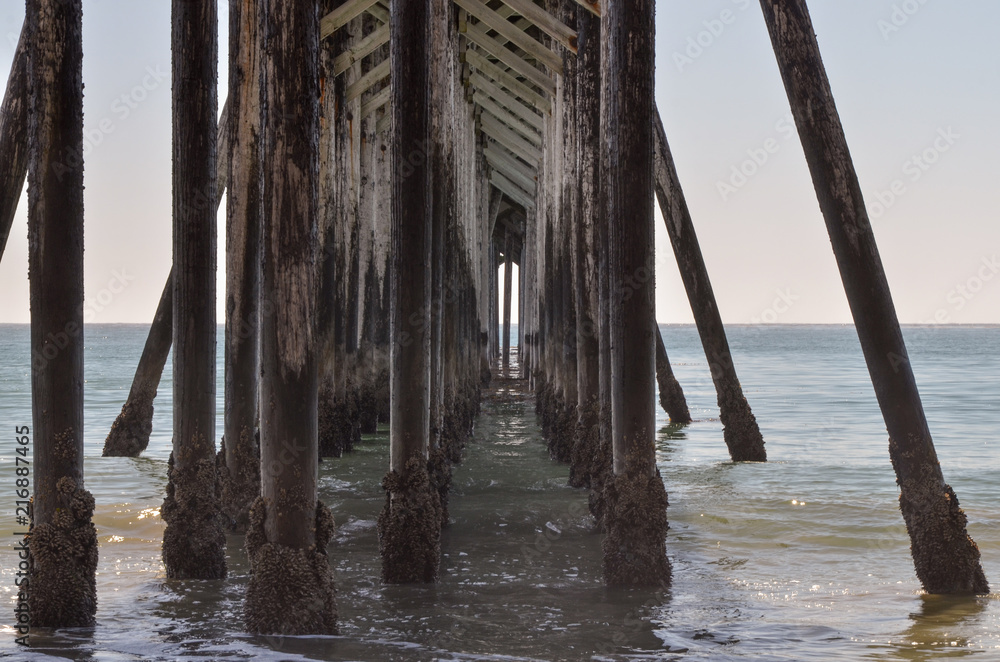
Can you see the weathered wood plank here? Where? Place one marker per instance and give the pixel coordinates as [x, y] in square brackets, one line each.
[478, 36]
[500, 132]
[513, 121]
[526, 113]
[374, 76]
[343, 14]
[377, 101]
[365, 47]
[504, 78]
[510, 170]
[511, 190]
[545, 22]
[516, 36]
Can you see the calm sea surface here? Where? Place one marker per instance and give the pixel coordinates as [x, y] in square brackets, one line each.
[802, 558]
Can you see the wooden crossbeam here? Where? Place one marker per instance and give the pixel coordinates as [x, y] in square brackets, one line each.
[376, 75]
[516, 36]
[513, 141]
[490, 88]
[501, 153]
[478, 36]
[545, 22]
[342, 15]
[512, 121]
[507, 81]
[509, 120]
[512, 190]
[377, 101]
[365, 47]
[509, 169]
[380, 11]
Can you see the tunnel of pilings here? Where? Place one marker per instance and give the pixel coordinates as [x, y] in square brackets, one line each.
[385, 163]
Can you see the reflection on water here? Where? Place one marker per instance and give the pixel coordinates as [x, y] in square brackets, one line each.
[802, 558]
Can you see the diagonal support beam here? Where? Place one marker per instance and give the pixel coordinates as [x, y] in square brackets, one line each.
[525, 113]
[377, 101]
[512, 191]
[510, 31]
[509, 170]
[497, 130]
[376, 75]
[545, 22]
[511, 120]
[342, 15]
[478, 36]
[505, 79]
[365, 47]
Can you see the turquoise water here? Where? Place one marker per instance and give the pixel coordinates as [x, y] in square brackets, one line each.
[802, 558]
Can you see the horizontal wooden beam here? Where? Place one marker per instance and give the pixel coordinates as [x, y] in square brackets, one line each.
[513, 141]
[503, 78]
[363, 48]
[478, 36]
[523, 129]
[377, 101]
[509, 170]
[512, 190]
[518, 37]
[342, 15]
[374, 76]
[545, 22]
[515, 106]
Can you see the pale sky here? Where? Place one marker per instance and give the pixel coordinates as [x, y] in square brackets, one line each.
[917, 83]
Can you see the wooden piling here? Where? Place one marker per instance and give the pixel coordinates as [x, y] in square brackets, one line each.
[290, 528]
[129, 434]
[944, 555]
[671, 394]
[740, 430]
[239, 455]
[194, 540]
[588, 138]
[410, 523]
[13, 138]
[636, 520]
[62, 558]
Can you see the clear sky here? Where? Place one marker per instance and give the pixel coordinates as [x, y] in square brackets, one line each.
[917, 83]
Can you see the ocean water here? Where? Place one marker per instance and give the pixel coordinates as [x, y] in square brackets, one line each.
[802, 558]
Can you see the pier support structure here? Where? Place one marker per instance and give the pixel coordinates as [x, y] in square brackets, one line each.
[194, 540]
[62, 557]
[290, 528]
[636, 517]
[944, 555]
